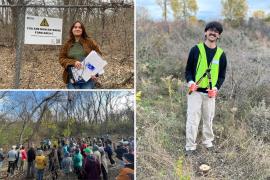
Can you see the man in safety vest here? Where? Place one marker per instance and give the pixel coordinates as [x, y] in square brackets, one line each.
[205, 73]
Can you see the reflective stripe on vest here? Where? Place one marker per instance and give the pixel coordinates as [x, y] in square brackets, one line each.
[202, 66]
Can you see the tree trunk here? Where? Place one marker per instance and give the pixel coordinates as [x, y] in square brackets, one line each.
[165, 10]
[37, 124]
[22, 131]
[20, 19]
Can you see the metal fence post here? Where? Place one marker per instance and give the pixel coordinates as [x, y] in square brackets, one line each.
[19, 43]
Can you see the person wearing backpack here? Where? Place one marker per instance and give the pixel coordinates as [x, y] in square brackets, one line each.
[66, 165]
[31, 156]
[41, 163]
[109, 151]
[77, 163]
[54, 162]
[12, 156]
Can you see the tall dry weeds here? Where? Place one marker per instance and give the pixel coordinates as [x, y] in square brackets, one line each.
[241, 122]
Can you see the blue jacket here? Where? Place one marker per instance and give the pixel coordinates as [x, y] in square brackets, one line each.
[77, 160]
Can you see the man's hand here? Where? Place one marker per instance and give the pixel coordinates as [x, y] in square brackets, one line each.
[77, 65]
[212, 93]
[192, 86]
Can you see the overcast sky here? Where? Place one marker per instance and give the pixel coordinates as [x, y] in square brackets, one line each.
[208, 9]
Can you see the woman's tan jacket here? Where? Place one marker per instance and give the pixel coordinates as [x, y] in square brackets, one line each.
[65, 61]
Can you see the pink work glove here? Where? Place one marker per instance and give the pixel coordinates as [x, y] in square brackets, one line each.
[212, 93]
[192, 87]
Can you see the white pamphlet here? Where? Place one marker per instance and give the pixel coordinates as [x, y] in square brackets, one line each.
[93, 64]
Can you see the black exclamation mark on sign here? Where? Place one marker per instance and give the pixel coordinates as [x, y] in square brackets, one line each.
[44, 22]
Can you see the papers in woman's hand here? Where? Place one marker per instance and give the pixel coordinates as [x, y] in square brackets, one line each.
[93, 64]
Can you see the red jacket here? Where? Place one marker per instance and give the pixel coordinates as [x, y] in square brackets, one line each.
[83, 146]
[24, 155]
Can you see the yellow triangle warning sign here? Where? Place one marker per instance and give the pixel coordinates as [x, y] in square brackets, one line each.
[44, 22]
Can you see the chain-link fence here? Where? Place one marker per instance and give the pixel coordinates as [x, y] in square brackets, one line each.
[109, 22]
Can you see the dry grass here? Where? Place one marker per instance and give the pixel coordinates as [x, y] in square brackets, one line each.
[242, 109]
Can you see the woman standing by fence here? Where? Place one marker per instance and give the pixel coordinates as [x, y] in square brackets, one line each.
[73, 53]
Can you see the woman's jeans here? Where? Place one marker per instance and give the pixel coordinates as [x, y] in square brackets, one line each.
[82, 85]
[40, 174]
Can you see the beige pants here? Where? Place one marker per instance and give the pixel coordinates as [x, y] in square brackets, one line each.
[199, 105]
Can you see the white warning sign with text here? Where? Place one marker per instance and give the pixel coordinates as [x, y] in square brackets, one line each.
[43, 30]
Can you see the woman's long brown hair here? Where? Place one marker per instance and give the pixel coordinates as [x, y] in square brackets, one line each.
[72, 37]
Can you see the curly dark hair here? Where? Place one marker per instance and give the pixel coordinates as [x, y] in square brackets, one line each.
[214, 25]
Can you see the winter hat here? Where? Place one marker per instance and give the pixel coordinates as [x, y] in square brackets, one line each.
[88, 151]
[39, 152]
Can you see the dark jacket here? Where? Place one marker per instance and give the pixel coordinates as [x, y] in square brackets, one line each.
[131, 166]
[108, 149]
[65, 61]
[92, 168]
[53, 158]
[2, 157]
[31, 155]
[120, 151]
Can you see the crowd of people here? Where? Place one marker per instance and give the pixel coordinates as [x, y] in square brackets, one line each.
[84, 158]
